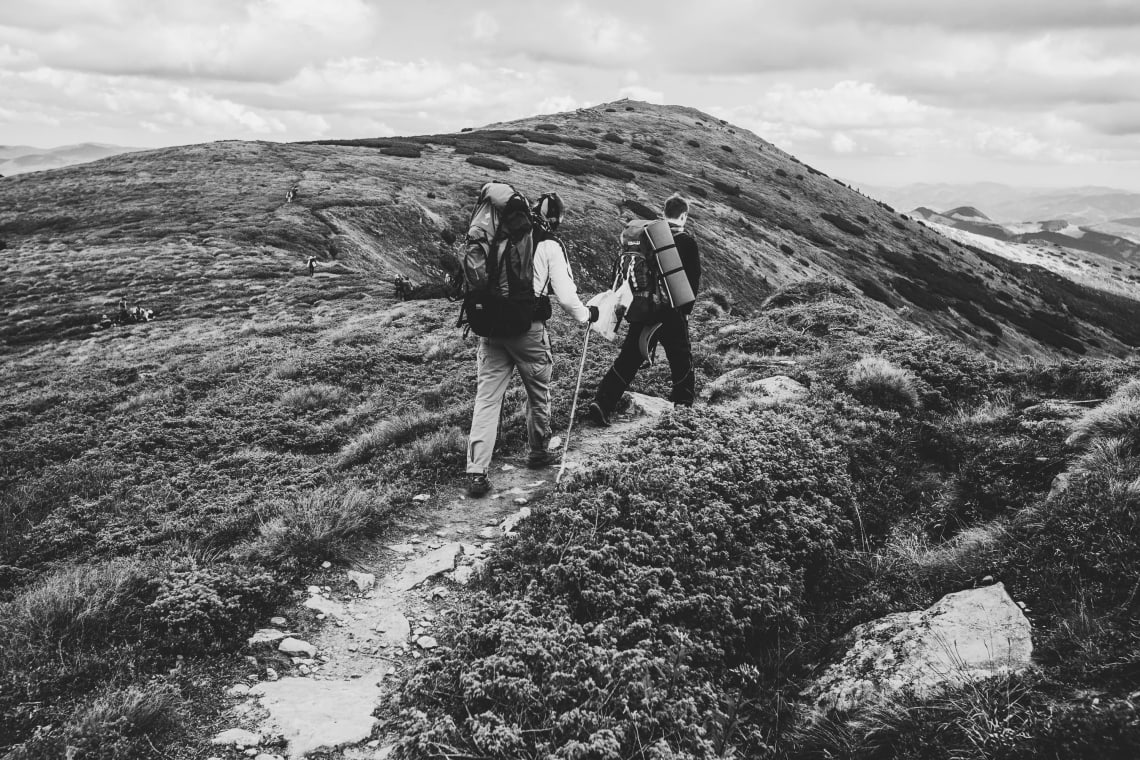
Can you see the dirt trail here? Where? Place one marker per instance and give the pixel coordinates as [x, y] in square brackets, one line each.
[377, 625]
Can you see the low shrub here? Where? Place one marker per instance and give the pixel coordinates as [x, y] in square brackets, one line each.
[580, 142]
[954, 373]
[810, 290]
[726, 188]
[489, 163]
[844, 224]
[402, 151]
[116, 725]
[204, 608]
[639, 208]
[613, 137]
[693, 143]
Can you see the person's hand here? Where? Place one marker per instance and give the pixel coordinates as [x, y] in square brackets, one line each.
[594, 313]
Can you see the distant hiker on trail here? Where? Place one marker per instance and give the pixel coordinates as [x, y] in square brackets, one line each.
[312, 265]
[123, 314]
[663, 299]
[526, 243]
[291, 194]
[403, 287]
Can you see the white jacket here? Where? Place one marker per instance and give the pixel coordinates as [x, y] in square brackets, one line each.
[552, 274]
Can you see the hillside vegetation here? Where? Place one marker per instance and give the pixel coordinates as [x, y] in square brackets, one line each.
[164, 486]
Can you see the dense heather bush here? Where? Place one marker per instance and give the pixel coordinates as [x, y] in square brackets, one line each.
[844, 224]
[954, 372]
[877, 381]
[610, 626]
[205, 608]
[118, 725]
[489, 163]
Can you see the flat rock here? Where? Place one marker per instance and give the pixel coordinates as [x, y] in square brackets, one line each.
[391, 625]
[778, 389]
[463, 574]
[237, 737]
[651, 406]
[427, 642]
[363, 581]
[433, 563]
[321, 715]
[325, 605]
[964, 637]
[265, 637]
[297, 647]
[741, 386]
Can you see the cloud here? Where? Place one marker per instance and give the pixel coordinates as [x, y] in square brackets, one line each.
[251, 40]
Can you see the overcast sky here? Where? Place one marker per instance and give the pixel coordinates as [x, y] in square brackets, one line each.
[1025, 92]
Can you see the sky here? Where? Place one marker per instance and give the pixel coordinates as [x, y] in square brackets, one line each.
[1040, 93]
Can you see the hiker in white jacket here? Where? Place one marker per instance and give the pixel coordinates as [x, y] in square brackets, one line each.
[529, 353]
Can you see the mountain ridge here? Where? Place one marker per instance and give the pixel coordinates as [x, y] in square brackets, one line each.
[388, 206]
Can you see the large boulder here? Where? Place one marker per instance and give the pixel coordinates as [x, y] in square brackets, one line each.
[965, 637]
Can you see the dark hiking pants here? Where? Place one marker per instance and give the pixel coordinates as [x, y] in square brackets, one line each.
[674, 338]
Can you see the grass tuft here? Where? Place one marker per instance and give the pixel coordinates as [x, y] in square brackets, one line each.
[881, 383]
[312, 397]
[323, 524]
[391, 432]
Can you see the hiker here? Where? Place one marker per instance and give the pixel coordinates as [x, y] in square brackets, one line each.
[122, 310]
[403, 287]
[529, 353]
[312, 265]
[664, 324]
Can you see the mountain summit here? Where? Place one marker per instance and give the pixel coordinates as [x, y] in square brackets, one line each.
[387, 206]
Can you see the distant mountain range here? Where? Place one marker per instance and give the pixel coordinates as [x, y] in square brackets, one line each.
[20, 159]
[1054, 232]
[1088, 206]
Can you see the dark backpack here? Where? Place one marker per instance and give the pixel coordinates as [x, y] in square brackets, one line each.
[636, 265]
[498, 265]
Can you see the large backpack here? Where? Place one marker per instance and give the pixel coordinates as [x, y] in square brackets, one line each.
[498, 265]
[636, 266]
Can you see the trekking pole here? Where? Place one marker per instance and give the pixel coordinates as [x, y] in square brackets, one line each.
[573, 406]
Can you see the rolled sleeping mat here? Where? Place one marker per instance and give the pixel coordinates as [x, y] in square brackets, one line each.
[669, 264]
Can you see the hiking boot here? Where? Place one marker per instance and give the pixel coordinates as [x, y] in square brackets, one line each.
[597, 415]
[539, 459]
[477, 484]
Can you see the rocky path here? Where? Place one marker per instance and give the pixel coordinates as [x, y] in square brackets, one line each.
[378, 620]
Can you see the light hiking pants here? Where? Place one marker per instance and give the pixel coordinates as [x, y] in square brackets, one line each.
[497, 360]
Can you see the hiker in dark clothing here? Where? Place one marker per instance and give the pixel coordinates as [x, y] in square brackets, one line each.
[670, 327]
[403, 287]
[123, 315]
[312, 262]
